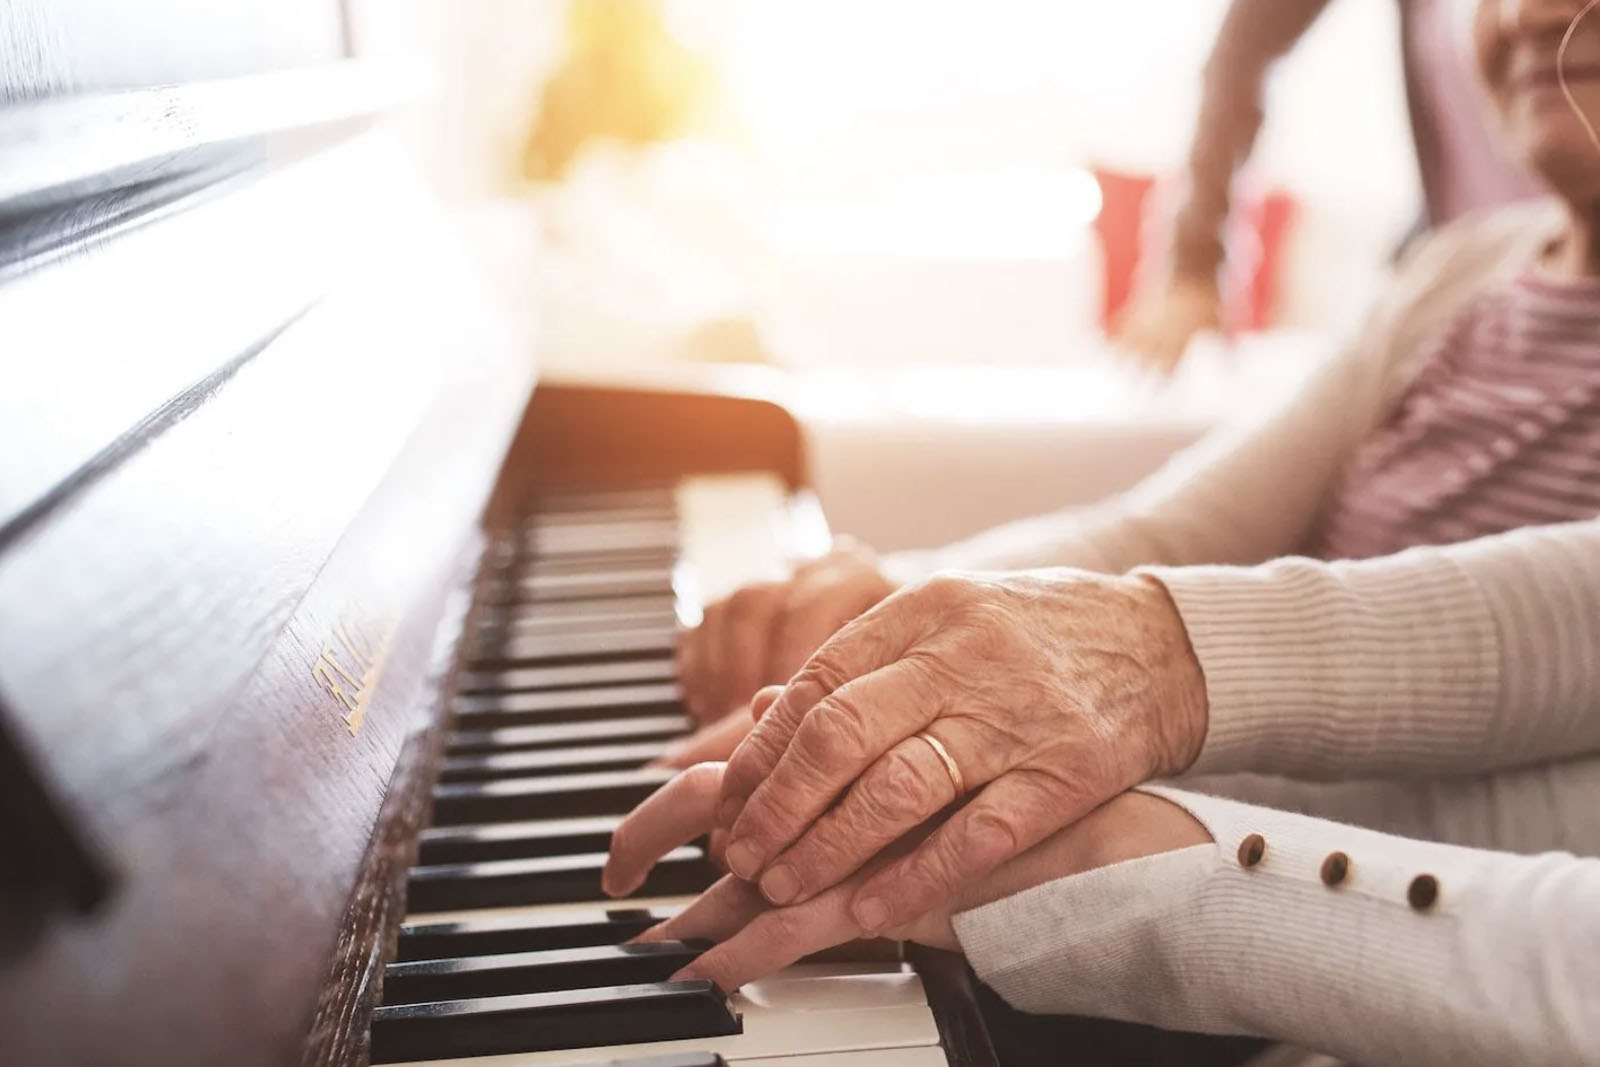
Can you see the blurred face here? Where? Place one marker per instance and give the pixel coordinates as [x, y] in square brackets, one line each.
[1517, 42]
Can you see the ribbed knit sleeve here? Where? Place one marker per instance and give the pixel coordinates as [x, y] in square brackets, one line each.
[1417, 953]
[1437, 660]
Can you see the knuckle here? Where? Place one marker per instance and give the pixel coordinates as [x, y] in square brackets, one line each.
[779, 929]
[837, 731]
[989, 834]
[822, 672]
[901, 790]
[747, 602]
[623, 842]
[944, 586]
[703, 779]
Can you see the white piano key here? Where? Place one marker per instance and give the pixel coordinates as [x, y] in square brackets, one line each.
[551, 911]
[924, 1056]
[558, 700]
[526, 828]
[529, 678]
[825, 989]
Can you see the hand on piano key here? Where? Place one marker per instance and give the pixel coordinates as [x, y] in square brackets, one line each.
[765, 632]
[756, 938]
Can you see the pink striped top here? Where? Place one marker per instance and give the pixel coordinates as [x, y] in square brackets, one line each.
[1500, 429]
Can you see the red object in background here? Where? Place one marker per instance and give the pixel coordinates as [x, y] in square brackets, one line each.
[1255, 244]
[1120, 227]
[1256, 295]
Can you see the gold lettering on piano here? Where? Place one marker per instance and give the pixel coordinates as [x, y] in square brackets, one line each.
[348, 666]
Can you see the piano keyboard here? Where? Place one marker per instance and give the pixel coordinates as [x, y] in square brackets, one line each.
[510, 954]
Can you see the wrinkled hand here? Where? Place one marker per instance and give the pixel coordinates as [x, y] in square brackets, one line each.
[1158, 326]
[1052, 691]
[755, 938]
[763, 633]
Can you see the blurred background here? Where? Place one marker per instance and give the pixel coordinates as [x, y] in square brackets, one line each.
[897, 215]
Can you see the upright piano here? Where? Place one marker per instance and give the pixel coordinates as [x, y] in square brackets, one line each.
[333, 639]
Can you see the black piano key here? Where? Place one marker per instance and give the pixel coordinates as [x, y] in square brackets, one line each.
[514, 738]
[557, 588]
[499, 933]
[580, 759]
[592, 564]
[658, 510]
[555, 540]
[610, 702]
[644, 493]
[463, 977]
[556, 796]
[545, 880]
[515, 840]
[573, 648]
[537, 1022]
[628, 607]
[529, 679]
[532, 626]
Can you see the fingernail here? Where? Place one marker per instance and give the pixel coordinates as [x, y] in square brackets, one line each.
[729, 811]
[871, 914]
[780, 885]
[744, 859]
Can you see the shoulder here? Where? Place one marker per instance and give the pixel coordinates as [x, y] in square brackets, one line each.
[1442, 274]
[1484, 241]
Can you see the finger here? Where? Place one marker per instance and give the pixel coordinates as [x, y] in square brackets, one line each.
[686, 665]
[718, 913]
[773, 939]
[714, 742]
[746, 627]
[762, 702]
[708, 663]
[673, 815]
[1012, 813]
[840, 737]
[878, 638]
[815, 612]
[902, 790]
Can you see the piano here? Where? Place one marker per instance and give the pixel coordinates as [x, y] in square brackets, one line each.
[334, 638]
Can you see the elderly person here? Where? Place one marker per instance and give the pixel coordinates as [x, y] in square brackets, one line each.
[953, 764]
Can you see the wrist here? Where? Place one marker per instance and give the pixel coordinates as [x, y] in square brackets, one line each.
[1179, 710]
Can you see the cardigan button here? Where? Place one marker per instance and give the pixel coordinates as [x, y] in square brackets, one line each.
[1422, 892]
[1251, 849]
[1335, 868]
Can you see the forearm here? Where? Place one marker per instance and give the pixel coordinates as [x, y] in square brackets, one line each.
[1253, 35]
[1446, 660]
[1500, 968]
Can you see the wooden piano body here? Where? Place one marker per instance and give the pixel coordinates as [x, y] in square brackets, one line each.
[256, 429]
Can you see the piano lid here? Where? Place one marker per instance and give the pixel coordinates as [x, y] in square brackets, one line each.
[252, 408]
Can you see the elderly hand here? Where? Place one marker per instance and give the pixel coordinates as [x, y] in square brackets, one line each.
[1157, 326]
[1050, 692]
[756, 938]
[763, 633]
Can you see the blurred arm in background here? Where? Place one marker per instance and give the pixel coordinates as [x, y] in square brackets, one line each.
[1174, 305]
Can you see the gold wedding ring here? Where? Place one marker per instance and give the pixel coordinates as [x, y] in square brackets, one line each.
[949, 763]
